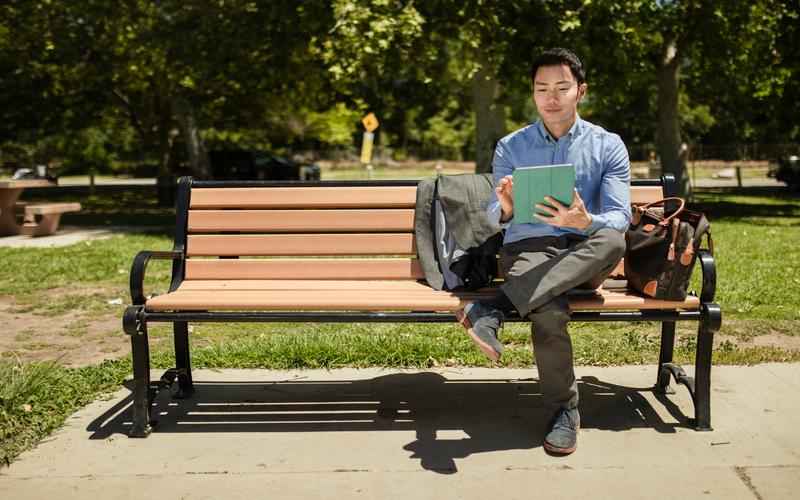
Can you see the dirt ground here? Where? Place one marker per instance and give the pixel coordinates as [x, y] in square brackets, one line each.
[74, 337]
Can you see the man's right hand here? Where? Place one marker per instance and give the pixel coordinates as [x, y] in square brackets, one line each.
[505, 195]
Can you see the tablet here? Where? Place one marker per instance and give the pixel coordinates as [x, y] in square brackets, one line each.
[532, 184]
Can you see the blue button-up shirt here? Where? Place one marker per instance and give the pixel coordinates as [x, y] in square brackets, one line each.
[602, 174]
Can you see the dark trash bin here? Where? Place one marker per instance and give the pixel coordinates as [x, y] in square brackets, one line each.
[165, 188]
[788, 171]
[259, 165]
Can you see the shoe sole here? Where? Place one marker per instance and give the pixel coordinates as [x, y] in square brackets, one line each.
[483, 346]
[561, 451]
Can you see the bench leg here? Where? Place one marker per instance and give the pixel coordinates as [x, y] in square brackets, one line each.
[142, 395]
[183, 362]
[46, 225]
[665, 356]
[710, 323]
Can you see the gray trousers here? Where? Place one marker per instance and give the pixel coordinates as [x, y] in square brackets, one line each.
[538, 273]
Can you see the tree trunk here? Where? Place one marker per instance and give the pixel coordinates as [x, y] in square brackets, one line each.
[490, 119]
[195, 148]
[668, 133]
[165, 140]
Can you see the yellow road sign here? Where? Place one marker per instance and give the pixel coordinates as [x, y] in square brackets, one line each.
[370, 122]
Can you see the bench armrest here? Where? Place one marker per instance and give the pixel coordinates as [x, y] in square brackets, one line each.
[138, 268]
[709, 269]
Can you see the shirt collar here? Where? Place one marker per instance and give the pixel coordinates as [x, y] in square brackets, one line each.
[574, 131]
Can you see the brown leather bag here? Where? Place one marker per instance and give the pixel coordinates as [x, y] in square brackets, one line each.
[661, 249]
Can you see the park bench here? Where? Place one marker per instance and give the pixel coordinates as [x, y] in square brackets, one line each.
[41, 219]
[345, 252]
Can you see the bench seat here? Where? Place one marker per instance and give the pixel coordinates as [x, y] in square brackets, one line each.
[352, 295]
[51, 208]
[42, 219]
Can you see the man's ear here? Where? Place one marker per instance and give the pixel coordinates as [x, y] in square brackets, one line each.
[582, 91]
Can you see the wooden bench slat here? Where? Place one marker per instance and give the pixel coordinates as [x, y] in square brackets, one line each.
[379, 299]
[364, 285]
[323, 269]
[339, 197]
[301, 244]
[645, 194]
[305, 197]
[301, 221]
[626, 300]
[322, 300]
[344, 284]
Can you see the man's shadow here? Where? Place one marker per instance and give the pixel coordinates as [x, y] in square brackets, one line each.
[493, 414]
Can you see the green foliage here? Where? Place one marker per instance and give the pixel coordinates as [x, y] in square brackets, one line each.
[88, 149]
[449, 132]
[335, 126]
[93, 82]
[367, 37]
[696, 121]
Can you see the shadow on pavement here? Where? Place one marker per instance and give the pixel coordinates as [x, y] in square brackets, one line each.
[494, 414]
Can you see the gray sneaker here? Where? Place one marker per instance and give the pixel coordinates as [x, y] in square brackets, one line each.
[482, 323]
[562, 437]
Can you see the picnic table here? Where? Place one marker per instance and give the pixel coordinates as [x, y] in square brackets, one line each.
[39, 219]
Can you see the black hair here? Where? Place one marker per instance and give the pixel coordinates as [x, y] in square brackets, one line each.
[556, 57]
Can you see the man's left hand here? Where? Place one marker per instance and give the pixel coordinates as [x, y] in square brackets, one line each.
[574, 216]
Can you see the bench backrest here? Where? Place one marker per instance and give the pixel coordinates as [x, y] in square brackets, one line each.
[344, 231]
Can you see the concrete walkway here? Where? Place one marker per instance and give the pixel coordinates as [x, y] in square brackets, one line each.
[452, 433]
[69, 235]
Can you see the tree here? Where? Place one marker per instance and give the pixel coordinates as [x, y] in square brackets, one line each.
[181, 73]
[666, 42]
[166, 66]
[48, 80]
[474, 48]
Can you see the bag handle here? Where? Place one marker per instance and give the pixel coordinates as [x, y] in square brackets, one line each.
[664, 222]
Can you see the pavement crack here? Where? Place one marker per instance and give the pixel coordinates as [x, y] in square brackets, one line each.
[742, 473]
[561, 467]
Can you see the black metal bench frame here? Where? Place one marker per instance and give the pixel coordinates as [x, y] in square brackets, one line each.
[179, 379]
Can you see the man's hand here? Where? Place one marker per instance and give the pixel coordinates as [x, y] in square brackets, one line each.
[505, 194]
[574, 216]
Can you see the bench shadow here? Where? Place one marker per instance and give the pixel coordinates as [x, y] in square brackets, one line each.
[495, 415]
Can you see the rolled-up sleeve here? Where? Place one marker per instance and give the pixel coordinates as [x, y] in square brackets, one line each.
[615, 191]
[501, 167]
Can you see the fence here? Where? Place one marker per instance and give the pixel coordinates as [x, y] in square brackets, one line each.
[725, 152]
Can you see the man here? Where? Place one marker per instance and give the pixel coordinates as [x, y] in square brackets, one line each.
[574, 246]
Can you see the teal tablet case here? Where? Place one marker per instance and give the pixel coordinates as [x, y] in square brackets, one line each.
[532, 184]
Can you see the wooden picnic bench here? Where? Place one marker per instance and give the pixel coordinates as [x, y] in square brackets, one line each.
[38, 219]
[345, 252]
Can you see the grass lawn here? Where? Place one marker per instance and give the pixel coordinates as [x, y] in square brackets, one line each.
[62, 290]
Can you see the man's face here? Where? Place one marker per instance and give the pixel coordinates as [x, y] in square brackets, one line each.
[556, 94]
